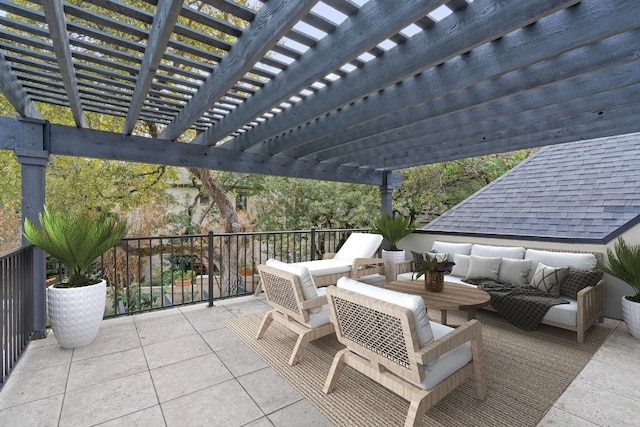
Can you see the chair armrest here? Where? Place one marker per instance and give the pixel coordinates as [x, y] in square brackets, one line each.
[318, 301]
[598, 287]
[360, 262]
[467, 332]
[404, 267]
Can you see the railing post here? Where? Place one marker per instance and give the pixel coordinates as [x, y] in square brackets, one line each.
[313, 243]
[210, 267]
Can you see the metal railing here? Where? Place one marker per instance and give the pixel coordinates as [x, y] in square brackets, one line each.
[16, 310]
[149, 273]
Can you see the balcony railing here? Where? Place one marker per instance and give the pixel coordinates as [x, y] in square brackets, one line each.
[17, 308]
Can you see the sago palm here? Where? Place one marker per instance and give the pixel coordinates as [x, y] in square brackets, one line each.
[624, 263]
[75, 238]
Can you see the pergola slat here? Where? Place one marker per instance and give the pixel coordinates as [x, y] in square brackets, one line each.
[12, 89]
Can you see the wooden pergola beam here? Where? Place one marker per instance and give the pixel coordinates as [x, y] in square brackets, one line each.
[54, 14]
[13, 90]
[167, 12]
[273, 20]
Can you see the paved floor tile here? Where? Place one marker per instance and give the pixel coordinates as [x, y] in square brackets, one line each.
[175, 350]
[292, 415]
[269, 390]
[43, 357]
[150, 417]
[559, 418]
[39, 413]
[30, 386]
[99, 369]
[108, 344]
[179, 327]
[241, 360]
[220, 339]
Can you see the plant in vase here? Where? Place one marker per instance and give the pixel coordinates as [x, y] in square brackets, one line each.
[393, 229]
[624, 264]
[76, 306]
[433, 268]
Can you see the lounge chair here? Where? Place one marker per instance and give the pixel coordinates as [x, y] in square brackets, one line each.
[297, 304]
[389, 339]
[354, 259]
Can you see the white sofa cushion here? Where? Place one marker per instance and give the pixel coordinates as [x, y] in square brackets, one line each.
[322, 267]
[483, 267]
[319, 316]
[515, 271]
[359, 245]
[412, 302]
[548, 279]
[307, 286]
[566, 314]
[498, 251]
[559, 259]
[451, 249]
[461, 266]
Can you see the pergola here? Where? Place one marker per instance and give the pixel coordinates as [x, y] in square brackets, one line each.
[344, 90]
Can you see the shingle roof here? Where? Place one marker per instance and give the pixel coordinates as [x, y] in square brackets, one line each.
[585, 191]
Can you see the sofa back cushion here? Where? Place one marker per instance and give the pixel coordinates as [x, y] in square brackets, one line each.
[307, 285]
[582, 261]
[461, 266]
[359, 245]
[515, 252]
[515, 271]
[451, 249]
[412, 302]
[481, 267]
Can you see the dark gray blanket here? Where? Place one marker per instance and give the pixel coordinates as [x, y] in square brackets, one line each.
[523, 306]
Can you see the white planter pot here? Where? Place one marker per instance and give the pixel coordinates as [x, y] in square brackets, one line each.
[393, 256]
[76, 313]
[631, 316]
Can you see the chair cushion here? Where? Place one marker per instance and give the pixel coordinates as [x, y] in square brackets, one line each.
[484, 267]
[307, 286]
[461, 267]
[498, 251]
[451, 249]
[559, 259]
[548, 279]
[359, 245]
[514, 271]
[578, 279]
[412, 302]
[322, 267]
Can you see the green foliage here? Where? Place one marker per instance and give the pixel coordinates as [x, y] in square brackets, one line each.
[393, 228]
[76, 238]
[432, 265]
[624, 262]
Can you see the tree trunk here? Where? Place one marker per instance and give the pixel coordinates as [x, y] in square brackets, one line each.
[229, 271]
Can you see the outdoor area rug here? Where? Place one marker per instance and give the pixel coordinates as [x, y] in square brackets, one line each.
[526, 372]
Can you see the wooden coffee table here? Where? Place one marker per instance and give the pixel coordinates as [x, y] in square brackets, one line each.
[452, 297]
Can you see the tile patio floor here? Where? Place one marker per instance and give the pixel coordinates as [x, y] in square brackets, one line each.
[183, 367]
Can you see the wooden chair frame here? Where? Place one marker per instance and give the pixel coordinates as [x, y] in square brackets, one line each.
[284, 293]
[382, 344]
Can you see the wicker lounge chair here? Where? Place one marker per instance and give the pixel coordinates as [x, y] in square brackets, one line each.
[390, 340]
[354, 259]
[296, 302]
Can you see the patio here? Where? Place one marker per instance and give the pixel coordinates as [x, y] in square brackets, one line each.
[182, 366]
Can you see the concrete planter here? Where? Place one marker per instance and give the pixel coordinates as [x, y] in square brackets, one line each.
[631, 316]
[76, 313]
[393, 257]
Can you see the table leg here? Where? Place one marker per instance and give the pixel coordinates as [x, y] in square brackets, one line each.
[443, 317]
[471, 314]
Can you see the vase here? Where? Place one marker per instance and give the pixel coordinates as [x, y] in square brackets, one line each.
[434, 281]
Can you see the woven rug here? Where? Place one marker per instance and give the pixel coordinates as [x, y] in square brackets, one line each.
[526, 372]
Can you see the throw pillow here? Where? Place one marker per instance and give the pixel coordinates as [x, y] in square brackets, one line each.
[439, 257]
[418, 260]
[484, 267]
[548, 279]
[514, 271]
[461, 268]
[577, 279]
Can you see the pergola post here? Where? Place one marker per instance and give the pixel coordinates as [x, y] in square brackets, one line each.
[33, 158]
[386, 193]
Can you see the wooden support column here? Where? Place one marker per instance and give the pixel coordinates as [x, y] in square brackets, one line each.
[31, 143]
[386, 192]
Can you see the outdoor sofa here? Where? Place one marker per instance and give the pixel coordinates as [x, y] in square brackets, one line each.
[518, 265]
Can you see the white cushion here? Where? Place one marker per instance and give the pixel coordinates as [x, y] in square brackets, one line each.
[439, 370]
[461, 267]
[451, 248]
[412, 302]
[514, 271]
[307, 286]
[567, 314]
[484, 267]
[359, 245]
[498, 251]
[318, 318]
[559, 259]
[322, 267]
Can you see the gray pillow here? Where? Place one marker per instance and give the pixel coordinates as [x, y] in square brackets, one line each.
[548, 279]
[484, 267]
[515, 271]
[461, 268]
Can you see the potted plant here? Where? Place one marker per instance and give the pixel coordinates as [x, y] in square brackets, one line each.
[393, 229]
[433, 269]
[624, 264]
[183, 278]
[76, 306]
